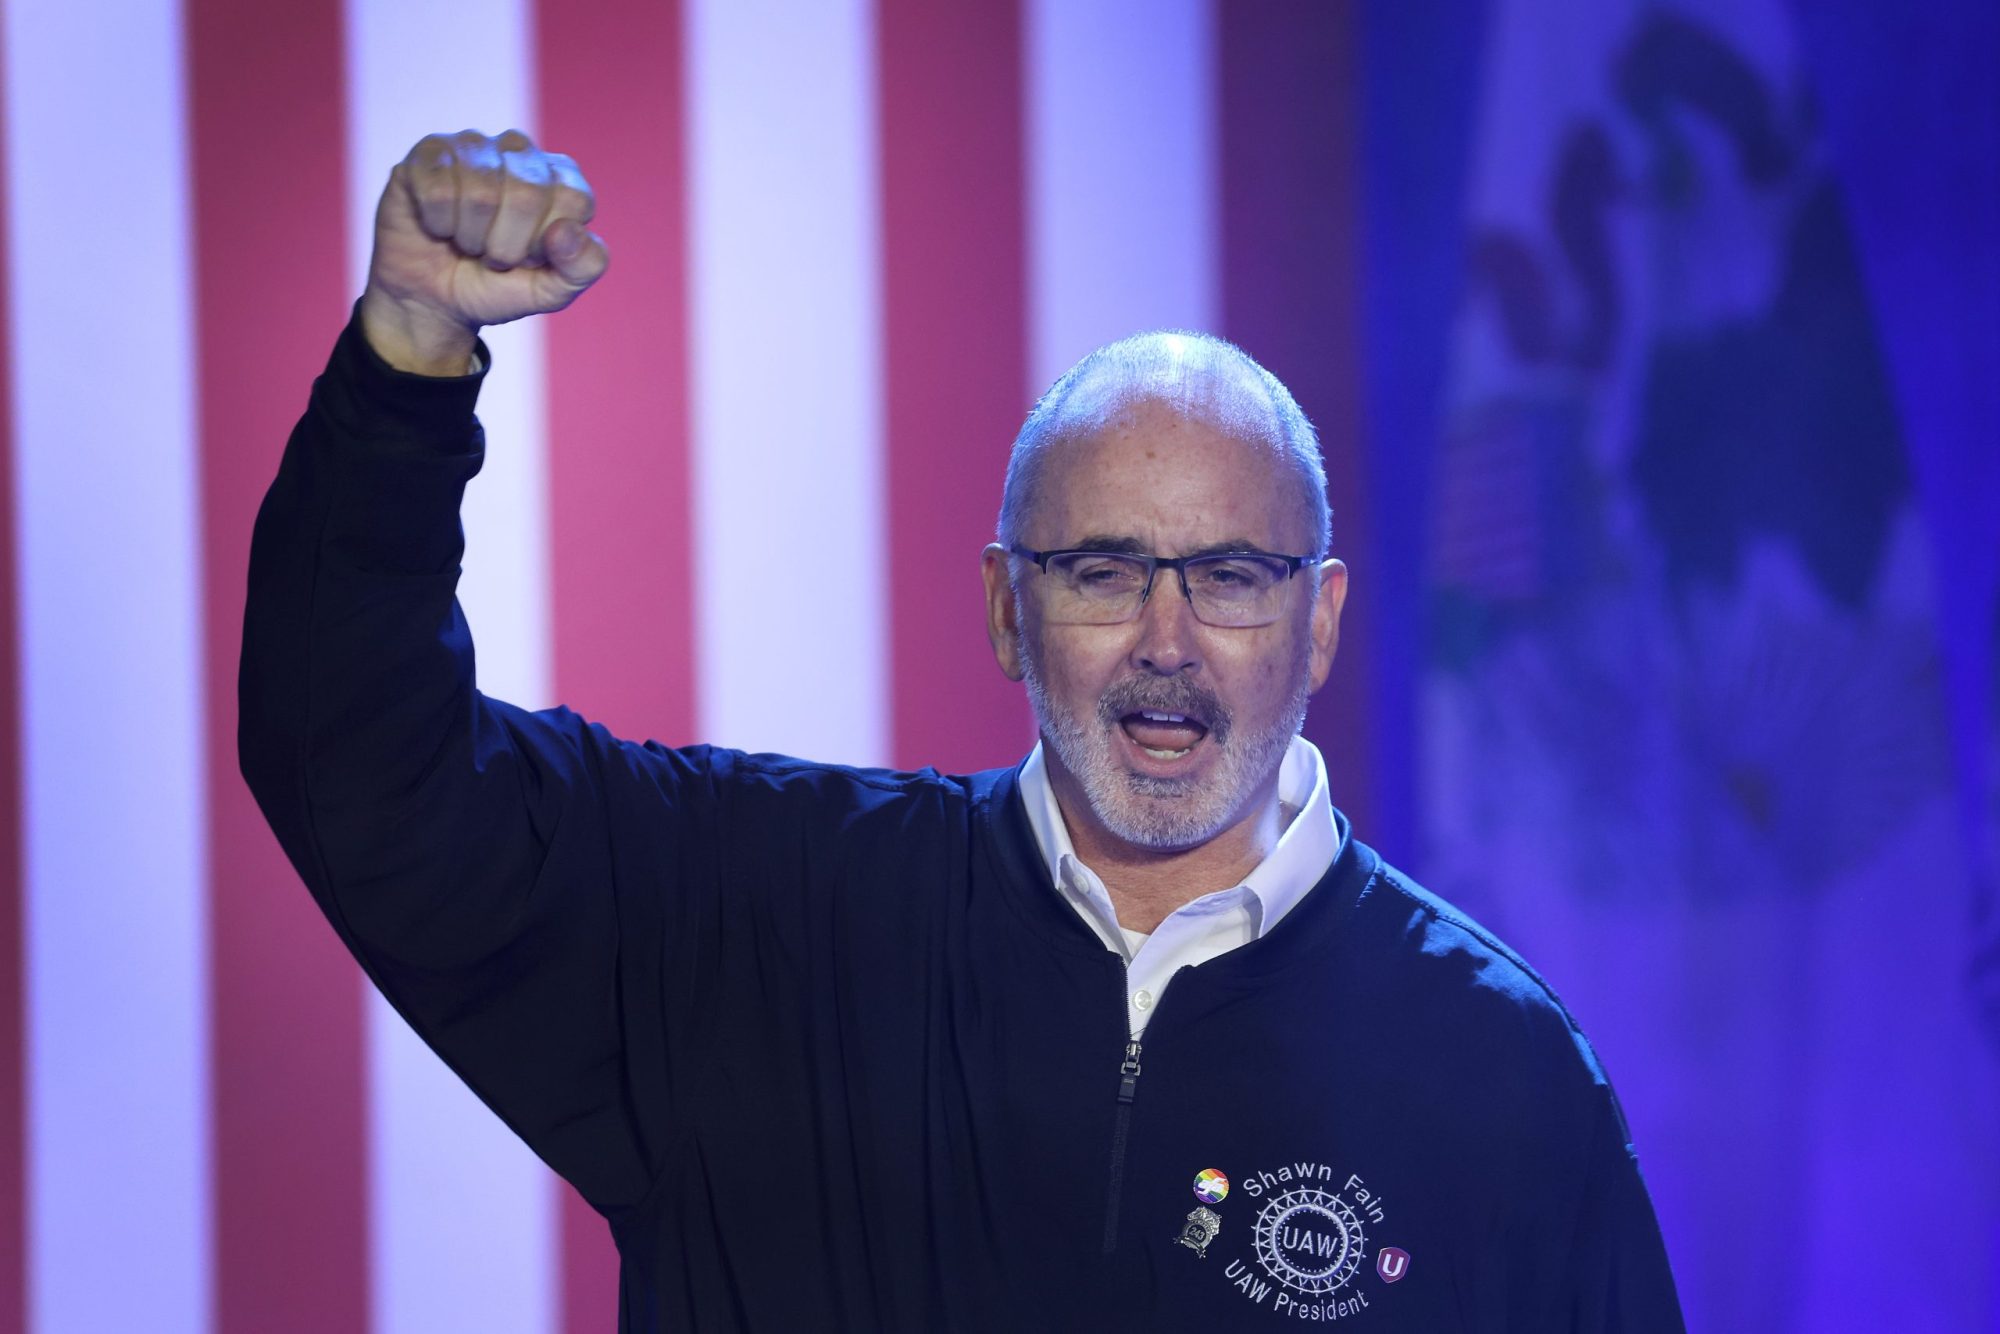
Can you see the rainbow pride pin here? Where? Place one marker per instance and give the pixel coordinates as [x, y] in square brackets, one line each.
[1210, 1186]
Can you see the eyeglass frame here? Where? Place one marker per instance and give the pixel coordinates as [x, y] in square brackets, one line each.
[1154, 564]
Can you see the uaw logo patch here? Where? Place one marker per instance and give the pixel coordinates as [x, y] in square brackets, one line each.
[1310, 1253]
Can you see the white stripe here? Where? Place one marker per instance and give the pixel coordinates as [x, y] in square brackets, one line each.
[786, 377]
[462, 1216]
[111, 633]
[1121, 174]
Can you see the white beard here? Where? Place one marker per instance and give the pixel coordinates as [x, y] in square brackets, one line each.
[1163, 814]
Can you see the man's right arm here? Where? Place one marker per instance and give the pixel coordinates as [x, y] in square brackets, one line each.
[460, 846]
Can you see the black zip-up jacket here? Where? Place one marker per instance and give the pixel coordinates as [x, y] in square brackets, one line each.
[826, 1049]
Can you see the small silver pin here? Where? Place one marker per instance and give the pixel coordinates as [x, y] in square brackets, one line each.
[1199, 1230]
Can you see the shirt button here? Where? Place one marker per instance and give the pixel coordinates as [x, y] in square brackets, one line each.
[1143, 999]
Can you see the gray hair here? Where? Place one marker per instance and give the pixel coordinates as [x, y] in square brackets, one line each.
[1180, 367]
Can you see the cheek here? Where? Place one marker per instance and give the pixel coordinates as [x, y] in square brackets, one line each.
[1267, 676]
[1076, 659]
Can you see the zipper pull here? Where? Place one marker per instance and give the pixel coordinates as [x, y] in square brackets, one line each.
[1128, 1073]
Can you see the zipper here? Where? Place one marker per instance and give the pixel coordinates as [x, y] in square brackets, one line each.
[1121, 1129]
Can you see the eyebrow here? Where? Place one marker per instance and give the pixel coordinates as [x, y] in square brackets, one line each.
[1132, 546]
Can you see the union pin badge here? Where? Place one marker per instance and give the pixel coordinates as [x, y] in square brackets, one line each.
[1199, 1230]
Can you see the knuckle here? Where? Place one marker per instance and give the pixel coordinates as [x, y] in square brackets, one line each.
[475, 150]
[429, 178]
[435, 205]
[469, 145]
[576, 194]
[478, 196]
[528, 168]
[430, 149]
[479, 179]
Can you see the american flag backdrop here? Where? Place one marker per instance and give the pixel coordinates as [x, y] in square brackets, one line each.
[1502, 251]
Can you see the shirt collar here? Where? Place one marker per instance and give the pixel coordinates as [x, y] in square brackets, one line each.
[1305, 849]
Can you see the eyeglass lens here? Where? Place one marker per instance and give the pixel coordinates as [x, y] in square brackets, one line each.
[1104, 588]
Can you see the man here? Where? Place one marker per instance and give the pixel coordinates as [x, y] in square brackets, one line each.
[1135, 1036]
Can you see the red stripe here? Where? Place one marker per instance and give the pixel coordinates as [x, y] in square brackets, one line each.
[955, 341]
[266, 84]
[13, 858]
[620, 506]
[1291, 280]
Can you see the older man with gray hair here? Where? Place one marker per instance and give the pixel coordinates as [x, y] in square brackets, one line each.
[1133, 1035]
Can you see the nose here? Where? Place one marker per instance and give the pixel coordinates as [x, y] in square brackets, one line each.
[1165, 643]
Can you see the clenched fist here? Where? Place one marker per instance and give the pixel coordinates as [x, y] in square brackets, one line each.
[472, 231]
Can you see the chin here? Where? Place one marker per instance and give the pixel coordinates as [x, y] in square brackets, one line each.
[1163, 813]
[1155, 823]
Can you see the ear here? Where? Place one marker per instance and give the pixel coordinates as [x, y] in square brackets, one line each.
[1003, 614]
[1326, 619]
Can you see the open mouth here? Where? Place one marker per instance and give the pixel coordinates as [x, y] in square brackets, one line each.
[1163, 735]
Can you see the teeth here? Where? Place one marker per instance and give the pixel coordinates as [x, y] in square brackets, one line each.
[1163, 717]
[1165, 754]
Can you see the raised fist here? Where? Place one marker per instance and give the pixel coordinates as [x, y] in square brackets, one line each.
[474, 230]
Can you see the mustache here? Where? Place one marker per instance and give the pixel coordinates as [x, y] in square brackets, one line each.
[1172, 694]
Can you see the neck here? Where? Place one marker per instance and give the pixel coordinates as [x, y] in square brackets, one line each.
[1147, 885]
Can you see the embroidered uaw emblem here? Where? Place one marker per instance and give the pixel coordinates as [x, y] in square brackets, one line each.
[1309, 1239]
[1199, 1230]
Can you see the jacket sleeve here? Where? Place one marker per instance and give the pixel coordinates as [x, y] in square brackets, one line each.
[460, 846]
[1619, 1280]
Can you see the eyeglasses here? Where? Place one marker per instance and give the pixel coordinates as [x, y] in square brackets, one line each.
[1233, 589]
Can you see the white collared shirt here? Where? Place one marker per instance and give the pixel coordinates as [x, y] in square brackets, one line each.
[1214, 923]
